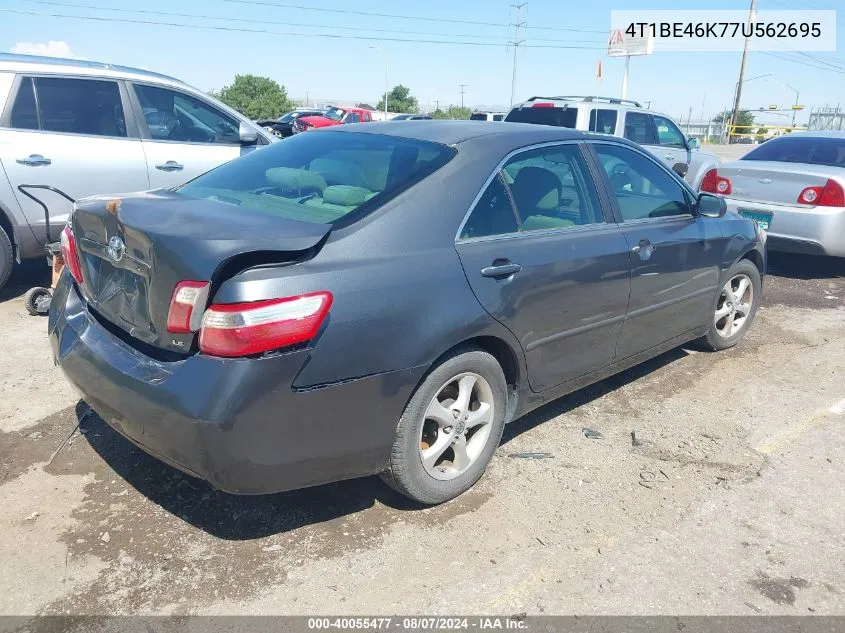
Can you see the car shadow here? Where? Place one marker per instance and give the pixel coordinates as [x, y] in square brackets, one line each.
[30, 273]
[234, 517]
[794, 266]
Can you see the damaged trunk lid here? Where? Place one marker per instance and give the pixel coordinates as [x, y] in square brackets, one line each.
[135, 249]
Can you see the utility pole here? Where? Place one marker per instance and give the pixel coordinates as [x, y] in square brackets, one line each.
[463, 89]
[307, 99]
[735, 112]
[436, 105]
[516, 42]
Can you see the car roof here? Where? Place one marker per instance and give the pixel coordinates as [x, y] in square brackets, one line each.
[11, 62]
[815, 133]
[603, 103]
[454, 132]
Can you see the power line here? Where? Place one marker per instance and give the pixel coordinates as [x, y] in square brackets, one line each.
[286, 33]
[401, 17]
[194, 16]
[802, 62]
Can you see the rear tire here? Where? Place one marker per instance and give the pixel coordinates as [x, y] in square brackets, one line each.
[735, 307]
[450, 428]
[37, 301]
[7, 258]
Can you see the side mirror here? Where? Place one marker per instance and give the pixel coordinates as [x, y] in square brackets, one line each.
[693, 143]
[681, 169]
[247, 134]
[710, 206]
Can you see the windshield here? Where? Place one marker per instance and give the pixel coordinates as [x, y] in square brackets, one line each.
[335, 114]
[290, 116]
[321, 178]
[812, 150]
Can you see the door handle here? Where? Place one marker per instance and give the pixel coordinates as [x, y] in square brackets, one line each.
[669, 157]
[644, 249]
[170, 165]
[34, 160]
[501, 270]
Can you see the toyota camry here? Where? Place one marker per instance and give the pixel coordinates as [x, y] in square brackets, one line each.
[384, 299]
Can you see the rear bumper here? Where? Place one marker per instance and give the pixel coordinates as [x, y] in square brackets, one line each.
[236, 423]
[813, 230]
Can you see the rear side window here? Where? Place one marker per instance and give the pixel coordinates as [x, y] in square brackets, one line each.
[493, 215]
[638, 128]
[24, 113]
[560, 117]
[478, 116]
[603, 121]
[813, 150]
[72, 106]
[498, 117]
[353, 117]
[552, 189]
[321, 178]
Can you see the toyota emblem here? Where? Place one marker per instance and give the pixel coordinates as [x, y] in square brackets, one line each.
[116, 248]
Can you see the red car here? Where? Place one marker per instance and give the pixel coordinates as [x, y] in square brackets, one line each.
[332, 116]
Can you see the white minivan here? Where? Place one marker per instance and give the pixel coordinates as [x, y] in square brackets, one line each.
[88, 128]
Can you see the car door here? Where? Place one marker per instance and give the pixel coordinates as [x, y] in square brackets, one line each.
[542, 260]
[184, 136]
[71, 133]
[675, 255]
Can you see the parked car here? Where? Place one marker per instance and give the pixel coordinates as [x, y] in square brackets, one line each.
[794, 187]
[383, 299]
[622, 117]
[411, 117]
[487, 116]
[89, 128]
[331, 117]
[283, 126]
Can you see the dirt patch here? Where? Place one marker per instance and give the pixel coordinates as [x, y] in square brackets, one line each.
[778, 590]
[20, 450]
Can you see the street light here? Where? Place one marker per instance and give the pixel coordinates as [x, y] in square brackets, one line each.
[794, 110]
[734, 115]
[380, 50]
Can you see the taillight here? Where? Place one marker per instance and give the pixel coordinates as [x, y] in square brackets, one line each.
[542, 104]
[70, 255]
[242, 329]
[186, 305]
[831, 195]
[714, 183]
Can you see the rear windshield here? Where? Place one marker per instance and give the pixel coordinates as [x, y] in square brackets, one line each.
[814, 150]
[321, 177]
[560, 117]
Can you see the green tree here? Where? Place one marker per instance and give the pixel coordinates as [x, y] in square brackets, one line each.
[452, 112]
[744, 121]
[256, 97]
[399, 100]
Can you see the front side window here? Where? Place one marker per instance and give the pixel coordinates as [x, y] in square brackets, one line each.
[71, 106]
[175, 116]
[493, 215]
[641, 187]
[335, 114]
[320, 178]
[668, 133]
[353, 117]
[638, 128]
[498, 117]
[603, 121]
[552, 188]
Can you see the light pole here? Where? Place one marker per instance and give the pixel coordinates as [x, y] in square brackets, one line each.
[380, 50]
[794, 110]
[734, 114]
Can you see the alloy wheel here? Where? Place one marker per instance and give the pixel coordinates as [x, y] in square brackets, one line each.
[457, 426]
[734, 305]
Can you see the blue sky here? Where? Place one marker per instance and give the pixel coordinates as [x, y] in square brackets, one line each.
[349, 69]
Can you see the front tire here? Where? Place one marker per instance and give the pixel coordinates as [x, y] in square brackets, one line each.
[7, 258]
[736, 305]
[450, 428]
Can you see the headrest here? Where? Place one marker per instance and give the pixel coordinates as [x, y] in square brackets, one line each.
[295, 180]
[346, 195]
[540, 222]
[536, 188]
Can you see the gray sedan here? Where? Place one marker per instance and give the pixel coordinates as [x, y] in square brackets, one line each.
[794, 187]
[384, 299]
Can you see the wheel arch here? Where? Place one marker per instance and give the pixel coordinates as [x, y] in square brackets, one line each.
[755, 258]
[9, 228]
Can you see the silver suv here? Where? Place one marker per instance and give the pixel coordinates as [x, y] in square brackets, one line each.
[88, 128]
[621, 117]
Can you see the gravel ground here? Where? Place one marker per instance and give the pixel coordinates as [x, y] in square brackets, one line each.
[730, 503]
